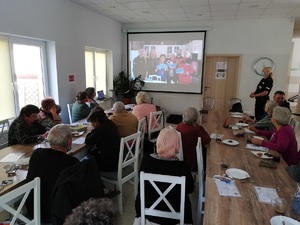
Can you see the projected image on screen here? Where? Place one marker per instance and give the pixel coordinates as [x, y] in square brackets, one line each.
[167, 62]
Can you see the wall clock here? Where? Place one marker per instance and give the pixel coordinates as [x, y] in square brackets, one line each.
[261, 63]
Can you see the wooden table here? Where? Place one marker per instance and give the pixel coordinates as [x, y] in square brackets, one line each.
[78, 151]
[246, 209]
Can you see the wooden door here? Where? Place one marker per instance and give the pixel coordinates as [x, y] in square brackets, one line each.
[224, 88]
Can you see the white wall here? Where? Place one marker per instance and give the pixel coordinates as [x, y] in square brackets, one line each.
[250, 38]
[70, 27]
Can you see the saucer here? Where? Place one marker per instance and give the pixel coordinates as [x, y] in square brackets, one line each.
[237, 173]
[230, 142]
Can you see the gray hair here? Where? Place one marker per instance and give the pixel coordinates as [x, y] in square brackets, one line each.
[282, 115]
[142, 97]
[59, 135]
[190, 116]
[118, 106]
[270, 105]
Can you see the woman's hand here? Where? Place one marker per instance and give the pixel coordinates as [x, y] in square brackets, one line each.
[253, 128]
[252, 95]
[256, 141]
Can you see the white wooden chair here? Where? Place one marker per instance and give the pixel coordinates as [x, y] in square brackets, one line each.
[201, 198]
[154, 179]
[180, 150]
[127, 167]
[294, 124]
[142, 127]
[23, 192]
[4, 126]
[156, 124]
[69, 106]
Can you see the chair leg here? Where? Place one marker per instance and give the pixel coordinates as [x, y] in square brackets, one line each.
[135, 185]
[120, 202]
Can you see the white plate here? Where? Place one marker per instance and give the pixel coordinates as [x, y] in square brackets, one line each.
[261, 155]
[277, 220]
[236, 113]
[242, 124]
[77, 133]
[237, 173]
[237, 116]
[258, 137]
[230, 142]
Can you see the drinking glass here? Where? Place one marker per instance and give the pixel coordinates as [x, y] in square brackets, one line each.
[280, 205]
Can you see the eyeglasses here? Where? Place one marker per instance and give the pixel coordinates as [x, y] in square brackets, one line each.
[5, 183]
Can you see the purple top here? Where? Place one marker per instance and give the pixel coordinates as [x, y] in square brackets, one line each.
[283, 141]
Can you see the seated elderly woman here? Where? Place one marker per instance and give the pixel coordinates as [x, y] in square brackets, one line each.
[48, 115]
[126, 122]
[265, 123]
[190, 130]
[106, 139]
[95, 211]
[165, 162]
[282, 137]
[80, 110]
[143, 107]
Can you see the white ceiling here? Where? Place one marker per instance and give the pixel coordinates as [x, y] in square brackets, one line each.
[141, 11]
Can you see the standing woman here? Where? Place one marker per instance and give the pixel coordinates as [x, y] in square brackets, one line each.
[261, 94]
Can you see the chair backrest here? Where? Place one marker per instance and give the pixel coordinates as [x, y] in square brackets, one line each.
[156, 123]
[142, 127]
[294, 124]
[208, 103]
[22, 192]
[4, 126]
[128, 156]
[69, 106]
[155, 179]
[235, 105]
[201, 178]
[180, 150]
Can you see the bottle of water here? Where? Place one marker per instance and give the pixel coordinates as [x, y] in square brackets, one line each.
[296, 201]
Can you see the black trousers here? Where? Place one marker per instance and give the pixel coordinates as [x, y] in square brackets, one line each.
[260, 107]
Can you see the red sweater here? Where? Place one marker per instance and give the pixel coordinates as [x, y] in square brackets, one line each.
[189, 135]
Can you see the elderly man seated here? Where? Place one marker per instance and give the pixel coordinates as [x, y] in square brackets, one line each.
[126, 122]
[47, 163]
[26, 129]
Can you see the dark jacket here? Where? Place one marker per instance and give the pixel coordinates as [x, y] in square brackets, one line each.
[74, 185]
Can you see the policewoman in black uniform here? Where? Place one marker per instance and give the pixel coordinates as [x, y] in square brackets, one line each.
[261, 94]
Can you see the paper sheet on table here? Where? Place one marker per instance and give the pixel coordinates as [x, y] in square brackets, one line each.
[265, 195]
[249, 131]
[79, 141]
[227, 189]
[213, 136]
[12, 157]
[257, 148]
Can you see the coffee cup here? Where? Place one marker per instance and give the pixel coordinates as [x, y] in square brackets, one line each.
[218, 138]
[276, 158]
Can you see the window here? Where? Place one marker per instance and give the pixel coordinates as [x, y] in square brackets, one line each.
[95, 68]
[22, 74]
